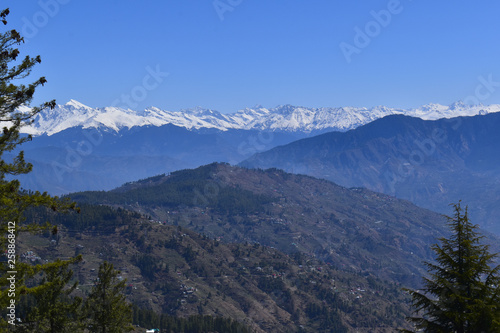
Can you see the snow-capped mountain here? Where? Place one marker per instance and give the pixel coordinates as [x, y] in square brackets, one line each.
[282, 118]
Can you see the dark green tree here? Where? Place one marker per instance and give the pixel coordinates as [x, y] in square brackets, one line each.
[106, 308]
[462, 292]
[15, 113]
[55, 310]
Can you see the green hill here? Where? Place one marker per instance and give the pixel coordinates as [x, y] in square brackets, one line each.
[352, 229]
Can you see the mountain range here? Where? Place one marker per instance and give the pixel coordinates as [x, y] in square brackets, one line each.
[277, 251]
[431, 163]
[76, 147]
[432, 160]
[282, 118]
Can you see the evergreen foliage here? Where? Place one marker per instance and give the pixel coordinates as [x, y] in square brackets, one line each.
[182, 188]
[191, 324]
[462, 293]
[96, 217]
[54, 309]
[107, 309]
[14, 114]
[147, 264]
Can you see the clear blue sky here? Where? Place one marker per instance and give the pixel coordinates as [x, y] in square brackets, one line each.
[267, 52]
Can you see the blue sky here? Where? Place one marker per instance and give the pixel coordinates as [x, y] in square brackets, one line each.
[231, 54]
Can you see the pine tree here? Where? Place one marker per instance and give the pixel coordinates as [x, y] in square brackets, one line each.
[462, 292]
[106, 307]
[13, 200]
[13, 116]
[55, 310]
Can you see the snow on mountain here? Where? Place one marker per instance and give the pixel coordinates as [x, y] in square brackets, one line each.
[282, 118]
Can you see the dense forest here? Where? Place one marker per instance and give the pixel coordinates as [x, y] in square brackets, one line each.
[180, 188]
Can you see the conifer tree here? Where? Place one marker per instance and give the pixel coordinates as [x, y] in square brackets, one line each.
[55, 310]
[462, 292]
[106, 307]
[15, 112]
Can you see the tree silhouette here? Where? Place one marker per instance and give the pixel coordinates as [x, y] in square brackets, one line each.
[462, 292]
[14, 114]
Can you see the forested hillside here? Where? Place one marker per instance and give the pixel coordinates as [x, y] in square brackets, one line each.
[177, 272]
[352, 229]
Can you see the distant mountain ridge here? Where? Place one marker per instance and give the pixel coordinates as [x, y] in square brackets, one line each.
[286, 118]
[430, 163]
